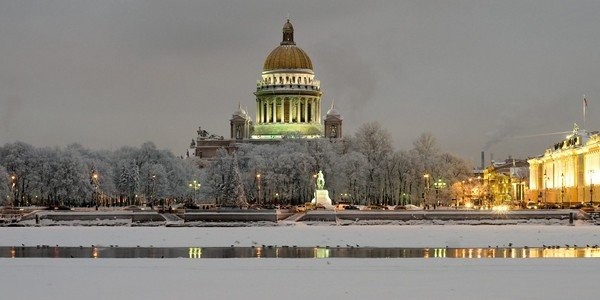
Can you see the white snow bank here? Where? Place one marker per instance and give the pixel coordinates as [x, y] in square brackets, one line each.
[304, 235]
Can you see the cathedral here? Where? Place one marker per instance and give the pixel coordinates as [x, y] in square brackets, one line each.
[288, 104]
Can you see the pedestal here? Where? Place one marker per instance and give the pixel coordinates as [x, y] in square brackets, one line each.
[322, 198]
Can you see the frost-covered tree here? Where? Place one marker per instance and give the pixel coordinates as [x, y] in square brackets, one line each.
[4, 189]
[18, 159]
[374, 142]
[153, 182]
[233, 190]
[127, 177]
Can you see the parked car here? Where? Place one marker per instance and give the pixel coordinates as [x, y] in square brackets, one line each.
[351, 207]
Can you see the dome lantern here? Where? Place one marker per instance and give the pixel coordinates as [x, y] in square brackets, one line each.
[288, 34]
[287, 55]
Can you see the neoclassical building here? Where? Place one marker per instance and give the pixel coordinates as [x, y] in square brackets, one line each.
[288, 103]
[569, 172]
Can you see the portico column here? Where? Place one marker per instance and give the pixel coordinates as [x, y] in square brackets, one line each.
[273, 110]
[257, 112]
[289, 105]
[318, 110]
[298, 110]
[305, 110]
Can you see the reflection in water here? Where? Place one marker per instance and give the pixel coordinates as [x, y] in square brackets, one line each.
[295, 252]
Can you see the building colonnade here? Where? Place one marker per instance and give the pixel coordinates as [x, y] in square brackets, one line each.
[288, 110]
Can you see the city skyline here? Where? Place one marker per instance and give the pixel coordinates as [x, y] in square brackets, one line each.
[478, 75]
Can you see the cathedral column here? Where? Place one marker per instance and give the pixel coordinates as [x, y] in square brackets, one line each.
[290, 110]
[312, 110]
[305, 110]
[274, 111]
[298, 110]
[269, 111]
[318, 111]
[258, 112]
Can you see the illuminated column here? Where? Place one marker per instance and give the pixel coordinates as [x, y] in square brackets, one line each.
[274, 111]
[298, 112]
[318, 111]
[289, 105]
[305, 110]
[312, 110]
[257, 112]
[269, 111]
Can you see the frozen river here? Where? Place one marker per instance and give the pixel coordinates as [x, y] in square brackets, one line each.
[191, 277]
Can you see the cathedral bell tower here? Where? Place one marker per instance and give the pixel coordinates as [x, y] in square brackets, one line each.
[241, 125]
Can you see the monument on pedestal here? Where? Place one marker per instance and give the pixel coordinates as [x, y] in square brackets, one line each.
[321, 194]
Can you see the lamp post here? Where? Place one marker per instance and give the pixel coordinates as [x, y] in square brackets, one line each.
[258, 177]
[545, 188]
[426, 194]
[438, 185]
[95, 178]
[13, 185]
[591, 187]
[194, 186]
[562, 190]
[153, 189]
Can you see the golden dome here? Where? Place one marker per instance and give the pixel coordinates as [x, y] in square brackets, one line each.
[287, 55]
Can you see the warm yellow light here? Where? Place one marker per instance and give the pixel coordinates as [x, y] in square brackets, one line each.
[426, 176]
[258, 175]
[500, 208]
[469, 205]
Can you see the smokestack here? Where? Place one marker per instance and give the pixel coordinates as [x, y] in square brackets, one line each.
[491, 158]
[482, 159]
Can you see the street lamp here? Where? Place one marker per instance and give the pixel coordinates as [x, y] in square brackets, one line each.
[95, 178]
[439, 184]
[591, 187]
[13, 183]
[258, 177]
[426, 194]
[153, 189]
[545, 189]
[194, 186]
[562, 190]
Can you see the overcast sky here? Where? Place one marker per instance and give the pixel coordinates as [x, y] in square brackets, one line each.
[477, 74]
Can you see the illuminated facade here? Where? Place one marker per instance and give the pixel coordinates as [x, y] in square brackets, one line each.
[506, 182]
[288, 96]
[288, 104]
[569, 172]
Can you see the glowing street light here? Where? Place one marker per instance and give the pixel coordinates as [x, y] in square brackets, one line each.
[95, 178]
[438, 185]
[258, 184]
[194, 186]
[426, 194]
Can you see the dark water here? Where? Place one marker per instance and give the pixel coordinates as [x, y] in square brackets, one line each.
[294, 252]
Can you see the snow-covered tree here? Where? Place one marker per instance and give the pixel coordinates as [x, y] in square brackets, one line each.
[233, 190]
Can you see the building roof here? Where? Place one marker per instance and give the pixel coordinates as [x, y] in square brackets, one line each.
[287, 55]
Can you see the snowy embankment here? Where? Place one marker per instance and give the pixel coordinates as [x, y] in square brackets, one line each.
[299, 234]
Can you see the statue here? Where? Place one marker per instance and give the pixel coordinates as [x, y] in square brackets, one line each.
[320, 181]
[321, 194]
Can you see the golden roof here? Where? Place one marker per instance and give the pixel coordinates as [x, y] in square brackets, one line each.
[287, 55]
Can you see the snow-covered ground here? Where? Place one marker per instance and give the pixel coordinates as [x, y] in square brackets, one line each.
[339, 278]
[299, 234]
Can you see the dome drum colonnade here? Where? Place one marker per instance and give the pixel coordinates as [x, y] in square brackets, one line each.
[288, 97]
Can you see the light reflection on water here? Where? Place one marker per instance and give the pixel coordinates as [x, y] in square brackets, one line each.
[296, 252]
